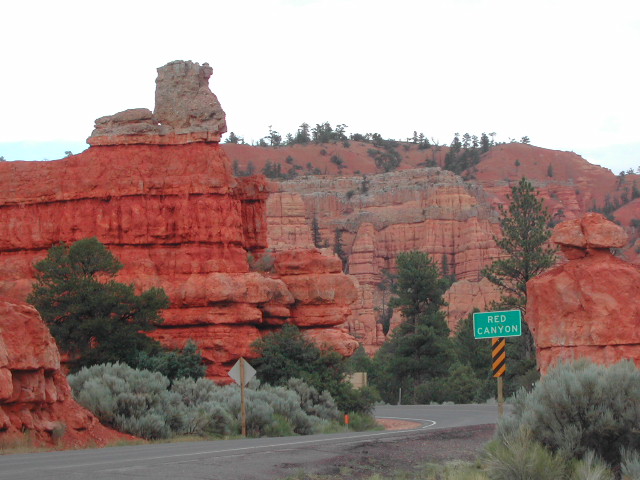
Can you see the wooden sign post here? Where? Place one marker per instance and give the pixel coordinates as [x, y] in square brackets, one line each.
[496, 326]
[242, 373]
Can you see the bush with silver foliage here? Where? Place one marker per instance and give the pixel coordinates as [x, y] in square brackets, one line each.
[144, 404]
[581, 407]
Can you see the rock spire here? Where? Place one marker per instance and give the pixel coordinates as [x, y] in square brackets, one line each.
[186, 111]
[588, 306]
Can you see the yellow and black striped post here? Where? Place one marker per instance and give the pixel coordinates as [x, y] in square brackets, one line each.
[499, 357]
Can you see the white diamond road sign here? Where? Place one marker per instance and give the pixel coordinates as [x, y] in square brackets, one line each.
[249, 371]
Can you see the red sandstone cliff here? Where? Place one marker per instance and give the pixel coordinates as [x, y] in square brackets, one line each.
[590, 305]
[410, 209]
[158, 190]
[381, 215]
[35, 396]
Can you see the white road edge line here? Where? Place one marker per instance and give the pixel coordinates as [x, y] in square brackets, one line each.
[324, 440]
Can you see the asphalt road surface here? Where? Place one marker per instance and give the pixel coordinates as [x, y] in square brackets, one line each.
[246, 459]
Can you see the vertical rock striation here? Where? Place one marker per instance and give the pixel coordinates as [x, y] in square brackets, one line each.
[382, 215]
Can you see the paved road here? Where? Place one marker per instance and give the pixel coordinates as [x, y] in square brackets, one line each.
[246, 459]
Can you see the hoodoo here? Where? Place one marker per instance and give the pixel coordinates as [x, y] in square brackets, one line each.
[588, 306]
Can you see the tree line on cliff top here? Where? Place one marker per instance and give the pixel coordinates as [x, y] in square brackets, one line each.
[463, 153]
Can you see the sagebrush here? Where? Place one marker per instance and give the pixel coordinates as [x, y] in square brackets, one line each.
[148, 405]
[581, 407]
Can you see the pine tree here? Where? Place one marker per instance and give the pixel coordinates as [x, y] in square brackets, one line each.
[92, 317]
[315, 233]
[525, 234]
[233, 138]
[420, 348]
[418, 286]
[484, 143]
[338, 248]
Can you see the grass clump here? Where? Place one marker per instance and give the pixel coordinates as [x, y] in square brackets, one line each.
[519, 457]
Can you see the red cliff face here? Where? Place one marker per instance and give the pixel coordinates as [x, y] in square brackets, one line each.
[587, 307]
[158, 191]
[177, 219]
[35, 396]
[380, 215]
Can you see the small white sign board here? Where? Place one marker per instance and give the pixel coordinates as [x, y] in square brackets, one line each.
[249, 371]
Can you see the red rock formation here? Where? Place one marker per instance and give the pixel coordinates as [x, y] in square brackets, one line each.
[565, 180]
[35, 396]
[587, 307]
[177, 218]
[428, 209]
[288, 223]
[465, 295]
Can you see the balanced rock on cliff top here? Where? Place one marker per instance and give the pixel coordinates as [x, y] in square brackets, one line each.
[587, 307]
[186, 111]
[593, 231]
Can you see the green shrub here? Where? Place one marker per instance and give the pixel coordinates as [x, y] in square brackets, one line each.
[174, 364]
[460, 386]
[580, 407]
[140, 402]
[361, 422]
[130, 400]
[313, 403]
[357, 400]
[263, 263]
[455, 470]
[286, 354]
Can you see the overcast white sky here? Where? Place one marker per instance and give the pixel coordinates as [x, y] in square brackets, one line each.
[565, 73]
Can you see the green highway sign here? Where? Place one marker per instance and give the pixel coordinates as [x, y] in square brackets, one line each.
[497, 324]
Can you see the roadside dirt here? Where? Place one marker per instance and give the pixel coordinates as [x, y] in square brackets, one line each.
[391, 424]
[387, 457]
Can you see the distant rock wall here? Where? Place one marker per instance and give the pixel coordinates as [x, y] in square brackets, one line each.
[382, 215]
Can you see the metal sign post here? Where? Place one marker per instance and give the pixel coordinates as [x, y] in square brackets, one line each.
[496, 326]
[243, 407]
[499, 356]
[242, 373]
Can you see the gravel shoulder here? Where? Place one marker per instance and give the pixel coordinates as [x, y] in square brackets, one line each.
[387, 457]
